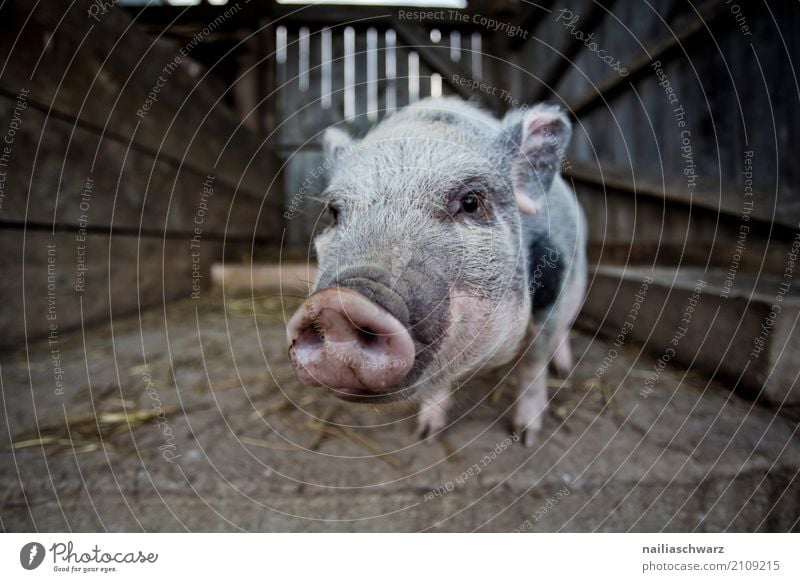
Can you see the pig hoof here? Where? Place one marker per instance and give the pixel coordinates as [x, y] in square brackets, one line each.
[527, 430]
[528, 437]
[430, 423]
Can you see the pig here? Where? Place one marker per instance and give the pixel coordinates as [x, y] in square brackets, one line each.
[454, 245]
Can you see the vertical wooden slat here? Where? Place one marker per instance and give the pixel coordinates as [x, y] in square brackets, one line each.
[315, 81]
[455, 42]
[362, 123]
[373, 58]
[326, 68]
[424, 81]
[268, 80]
[304, 58]
[414, 73]
[337, 77]
[381, 74]
[402, 75]
[290, 129]
[390, 64]
[476, 55]
[349, 83]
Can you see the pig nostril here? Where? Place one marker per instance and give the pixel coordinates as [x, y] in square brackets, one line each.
[367, 336]
[311, 337]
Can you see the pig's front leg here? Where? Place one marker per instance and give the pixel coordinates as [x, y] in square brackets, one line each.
[531, 404]
[433, 412]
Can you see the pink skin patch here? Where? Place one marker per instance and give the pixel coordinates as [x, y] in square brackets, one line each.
[526, 205]
[341, 340]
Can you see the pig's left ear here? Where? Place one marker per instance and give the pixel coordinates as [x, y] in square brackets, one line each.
[538, 138]
[335, 142]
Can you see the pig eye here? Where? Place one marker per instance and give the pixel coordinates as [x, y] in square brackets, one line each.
[333, 212]
[470, 203]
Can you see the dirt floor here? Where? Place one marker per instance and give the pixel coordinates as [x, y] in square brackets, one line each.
[190, 418]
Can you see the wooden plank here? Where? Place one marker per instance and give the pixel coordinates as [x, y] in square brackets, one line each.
[623, 230]
[266, 78]
[314, 91]
[290, 278]
[667, 49]
[192, 18]
[382, 83]
[473, 58]
[82, 179]
[538, 55]
[336, 110]
[248, 92]
[402, 73]
[360, 121]
[122, 274]
[623, 35]
[733, 317]
[498, 72]
[290, 115]
[708, 196]
[269, 110]
[304, 179]
[592, 15]
[447, 45]
[532, 15]
[103, 76]
[425, 73]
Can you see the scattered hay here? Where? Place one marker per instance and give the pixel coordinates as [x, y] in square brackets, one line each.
[282, 404]
[449, 449]
[496, 393]
[275, 446]
[327, 428]
[88, 432]
[228, 383]
[319, 424]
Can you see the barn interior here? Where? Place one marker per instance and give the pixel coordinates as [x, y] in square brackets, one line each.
[160, 174]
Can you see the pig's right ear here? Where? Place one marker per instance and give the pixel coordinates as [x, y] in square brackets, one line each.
[335, 142]
[538, 138]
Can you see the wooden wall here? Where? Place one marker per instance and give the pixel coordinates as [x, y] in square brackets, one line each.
[273, 78]
[106, 207]
[729, 67]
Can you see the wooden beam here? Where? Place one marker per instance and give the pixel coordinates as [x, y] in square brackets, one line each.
[665, 51]
[531, 17]
[591, 16]
[711, 197]
[266, 78]
[267, 94]
[134, 232]
[416, 37]
[195, 17]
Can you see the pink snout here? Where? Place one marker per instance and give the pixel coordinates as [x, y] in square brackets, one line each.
[341, 340]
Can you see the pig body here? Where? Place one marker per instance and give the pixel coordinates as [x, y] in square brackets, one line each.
[455, 245]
